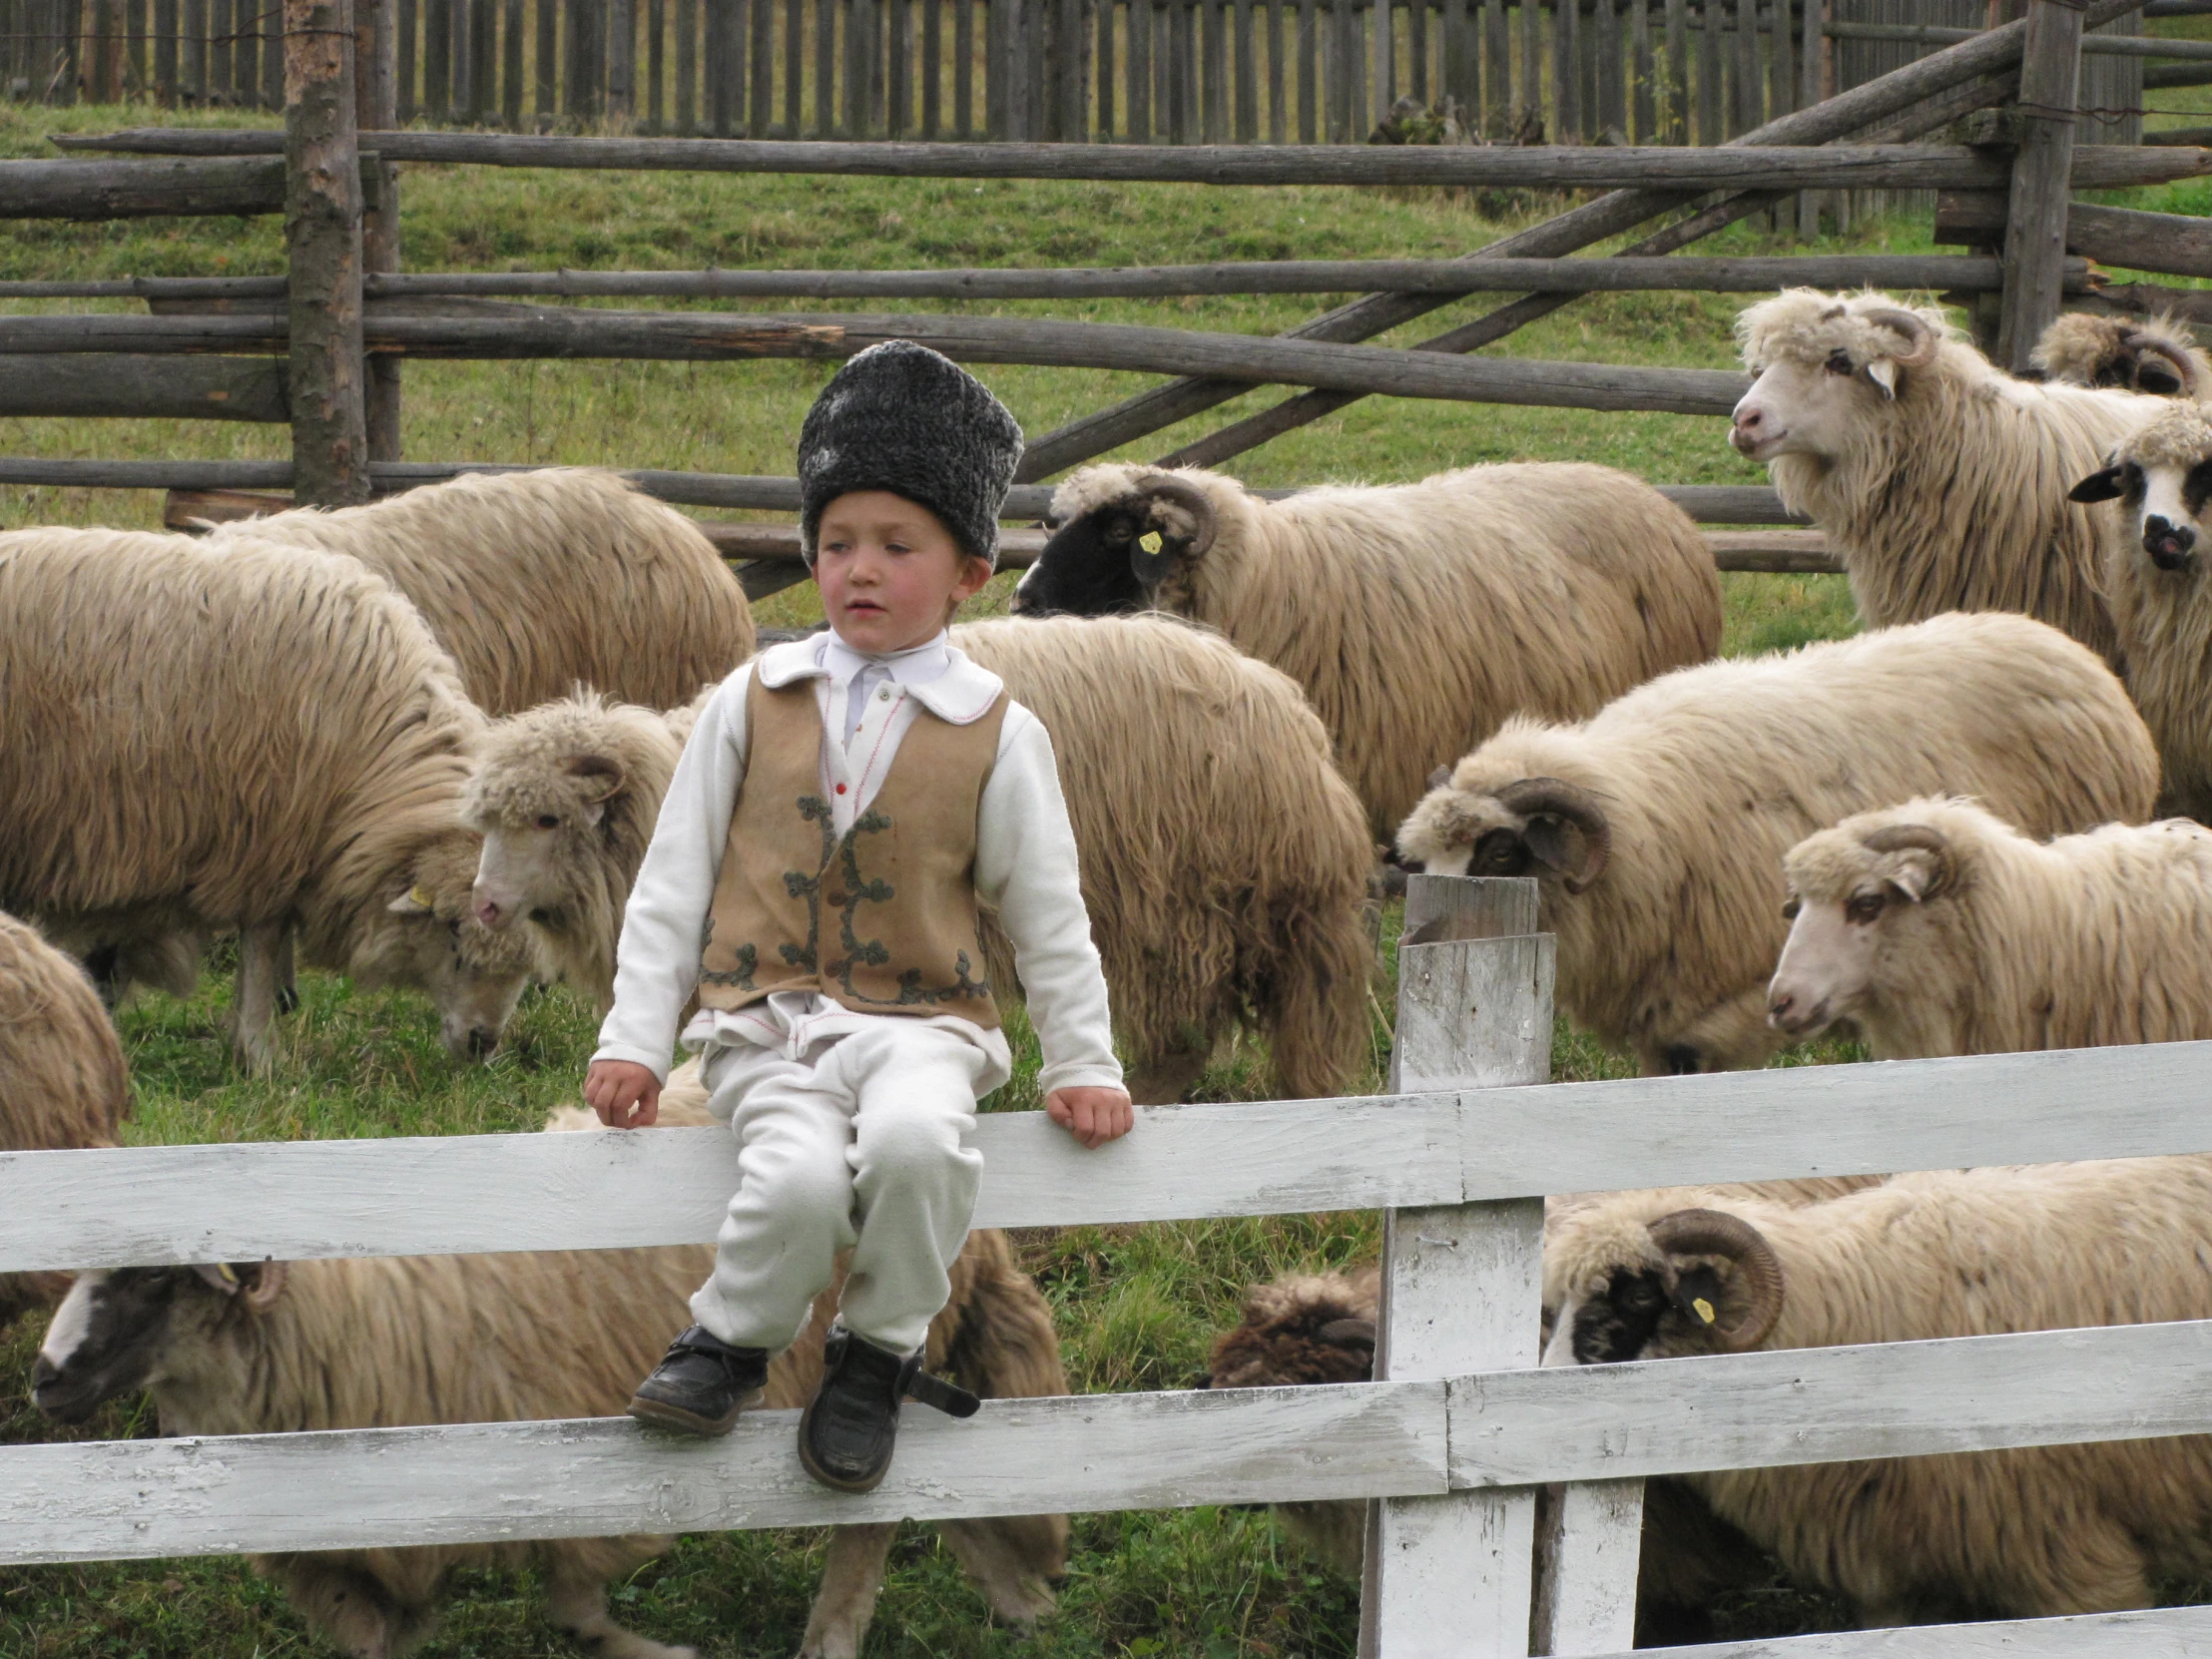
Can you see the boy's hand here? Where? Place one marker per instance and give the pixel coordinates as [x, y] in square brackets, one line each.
[625, 1094]
[1093, 1116]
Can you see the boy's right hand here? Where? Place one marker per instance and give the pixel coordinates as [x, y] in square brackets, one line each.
[625, 1094]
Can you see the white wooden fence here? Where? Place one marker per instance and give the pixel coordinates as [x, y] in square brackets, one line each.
[1455, 1439]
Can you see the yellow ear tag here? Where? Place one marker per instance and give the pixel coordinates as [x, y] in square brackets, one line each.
[423, 896]
[230, 1273]
[1704, 1308]
[1150, 541]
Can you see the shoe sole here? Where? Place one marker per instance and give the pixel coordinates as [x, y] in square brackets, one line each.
[836, 1482]
[658, 1413]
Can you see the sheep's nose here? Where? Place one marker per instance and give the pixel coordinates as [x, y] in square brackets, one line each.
[2168, 543]
[1780, 1006]
[481, 1041]
[44, 1374]
[488, 913]
[1745, 432]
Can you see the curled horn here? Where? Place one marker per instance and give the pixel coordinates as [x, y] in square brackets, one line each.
[2184, 366]
[1530, 795]
[1758, 1268]
[1900, 838]
[1192, 500]
[1914, 328]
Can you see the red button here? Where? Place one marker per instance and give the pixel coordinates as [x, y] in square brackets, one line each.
[840, 789]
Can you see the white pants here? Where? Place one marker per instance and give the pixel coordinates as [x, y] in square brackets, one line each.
[861, 1143]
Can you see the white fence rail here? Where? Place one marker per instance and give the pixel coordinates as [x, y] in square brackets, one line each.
[1455, 1437]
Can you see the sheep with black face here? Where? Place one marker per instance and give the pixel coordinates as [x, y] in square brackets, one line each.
[2159, 358]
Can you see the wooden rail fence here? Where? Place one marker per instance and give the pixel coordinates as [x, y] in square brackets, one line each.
[1452, 1439]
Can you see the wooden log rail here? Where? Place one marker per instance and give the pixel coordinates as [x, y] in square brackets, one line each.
[2175, 244]
[2116, 46]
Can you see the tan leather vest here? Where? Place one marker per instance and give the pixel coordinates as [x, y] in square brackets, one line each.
[882, 920]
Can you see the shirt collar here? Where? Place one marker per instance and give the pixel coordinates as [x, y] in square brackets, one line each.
[959, 691]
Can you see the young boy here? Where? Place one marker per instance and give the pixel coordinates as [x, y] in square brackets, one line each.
[841, 806]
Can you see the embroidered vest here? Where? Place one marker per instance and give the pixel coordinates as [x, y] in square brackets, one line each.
[882, 920]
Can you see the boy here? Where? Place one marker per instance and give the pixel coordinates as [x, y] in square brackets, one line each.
[843, 805]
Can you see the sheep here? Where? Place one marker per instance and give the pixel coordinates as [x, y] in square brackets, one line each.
[278, 1348]
[2161, 476]
[1417, 616]
[258, 738]
[1937, 928]
[1657, 829]
[1224, 858]
[2160, 358]
[63, 1082]
[1941, 480]
[538, 581]
[2027, 1533]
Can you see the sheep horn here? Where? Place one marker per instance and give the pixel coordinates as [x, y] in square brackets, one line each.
[2183, 367]
[1357, 1333]
[1899, 837]
[1531, 796]
[1192, 500]
[1914, 328]
[1758, 1268]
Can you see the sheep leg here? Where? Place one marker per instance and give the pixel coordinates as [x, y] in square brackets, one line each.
[253, 998]
[349, 1607]
[1009, 1558]
[1165, 1078]
[288, 978]
[577, 1597]
[845, 1603]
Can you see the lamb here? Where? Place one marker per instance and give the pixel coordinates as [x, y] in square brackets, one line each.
[274, 1347]
[2026, 1533]
[1937, 928]
[2161, 476]
[1224, 858]
[262, 739]
[63, 1082]
[1657, 829]
[1416, 617]
[539, 581]
[2159, 358]
[1941, 480]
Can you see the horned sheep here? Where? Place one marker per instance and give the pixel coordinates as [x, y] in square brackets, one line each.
[1657, 829]
[263, 739]
[1222, 858]
[2159, 357]
[1941, 480]
[2019, 1533]
[1416, 616]
[1937, 928]
[274, 1347]
[539, 581]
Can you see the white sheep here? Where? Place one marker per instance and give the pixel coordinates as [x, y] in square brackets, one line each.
[2025, 1534]
[1941, 480]
[2159, 357]
[279, 1347]
[540, 581]
[2161, 478]
[260, 740]
[1416, 616]
[1222, 858]
[1657, 827]
[1937, 928]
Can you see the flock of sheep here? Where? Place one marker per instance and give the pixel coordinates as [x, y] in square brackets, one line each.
[424, 743]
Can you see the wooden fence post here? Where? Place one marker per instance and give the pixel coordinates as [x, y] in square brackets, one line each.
[323, 244]
[376, 105]
[1451, 1576]
[2035, 228]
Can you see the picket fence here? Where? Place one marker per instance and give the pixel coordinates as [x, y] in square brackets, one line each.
[1455, 1439]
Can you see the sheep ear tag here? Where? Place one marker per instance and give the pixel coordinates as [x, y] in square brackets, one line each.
[1697, 1297]
[418, 901]
[1148, 558]
[221, 1274]
[1884, 374]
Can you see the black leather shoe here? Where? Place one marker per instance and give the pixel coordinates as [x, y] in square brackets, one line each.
[846, 1436]
[702, 1386]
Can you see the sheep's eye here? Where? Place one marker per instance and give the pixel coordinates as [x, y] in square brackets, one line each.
[547, 821]
[1121, 529]
[1838, 362]
[1865, 908]
[1642, 1296]
[1790, 910]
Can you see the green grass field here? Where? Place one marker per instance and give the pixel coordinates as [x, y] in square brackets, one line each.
[1137, 1307]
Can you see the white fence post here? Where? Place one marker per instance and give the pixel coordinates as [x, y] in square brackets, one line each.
[1462, 1284]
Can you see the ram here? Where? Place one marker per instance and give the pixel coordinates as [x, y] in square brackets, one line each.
[1657, 829]
[2023, 1533]
[1941, 480]
[2160, 357]
[1416, 616]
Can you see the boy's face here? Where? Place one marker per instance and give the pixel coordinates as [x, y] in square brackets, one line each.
[890, 574]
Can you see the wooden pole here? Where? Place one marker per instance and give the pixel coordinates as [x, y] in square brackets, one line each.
[322, 237]
[377, 97]
[2035, 226]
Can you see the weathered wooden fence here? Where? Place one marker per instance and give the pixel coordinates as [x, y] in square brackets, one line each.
[1453, 1439]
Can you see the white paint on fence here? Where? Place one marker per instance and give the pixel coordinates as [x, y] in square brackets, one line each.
[2172, 1632]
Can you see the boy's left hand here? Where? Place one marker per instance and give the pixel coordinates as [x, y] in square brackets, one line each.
[1093, 1116]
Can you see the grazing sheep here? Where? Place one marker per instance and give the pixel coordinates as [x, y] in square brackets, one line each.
[1223, 859]
[63, 1082]
[274, 1347]
[260, 739]
[2159, 358]
[1941, 480]
[2161, 477]
[1937, 928]
[2009, 1535]
[538, 582]
[1657, 829]
[1417, 616]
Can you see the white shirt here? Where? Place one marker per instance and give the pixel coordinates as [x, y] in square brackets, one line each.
[1026, 864]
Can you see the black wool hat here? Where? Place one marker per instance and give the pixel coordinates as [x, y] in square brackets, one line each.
[903, 418]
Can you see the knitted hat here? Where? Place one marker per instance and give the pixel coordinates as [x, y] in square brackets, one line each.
[903, 418]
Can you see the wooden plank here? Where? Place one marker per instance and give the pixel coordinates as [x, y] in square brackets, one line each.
[193, 67]
[438, 59]
[933, 65]
[1750, 90]
[407, 63]
[1310, 128]
[2171, 1633]
[687, 65]
[1246, 53]
[899, 69]
[760, 108]
[323, 251]
[513, 23]
[1137, 35]
[1644, 71]
[1567, 72]
[621, 60]
[272, 61]
[1497, 71]
[655, 64]
[1381, 78]
[1416, 52]
[221, 43]
[546, 106]
[1810, 47]
[1711, 124]
[1213, 125]
[1589, 1535]
[1442, 909]
[165, 52]
[591, 1478]
[245, 71]
[1612, 93]
[2035, 225]
[1781, 59]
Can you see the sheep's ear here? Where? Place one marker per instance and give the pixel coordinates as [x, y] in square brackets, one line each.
[1354, 1333]
[1149, 557]
[1915, 875]
[2099, 486]
[1697, 1297]
[600, 774]
[265, 1283]
[1884, 374]
[1441, 776]
[221, 1274]
[418, 901]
